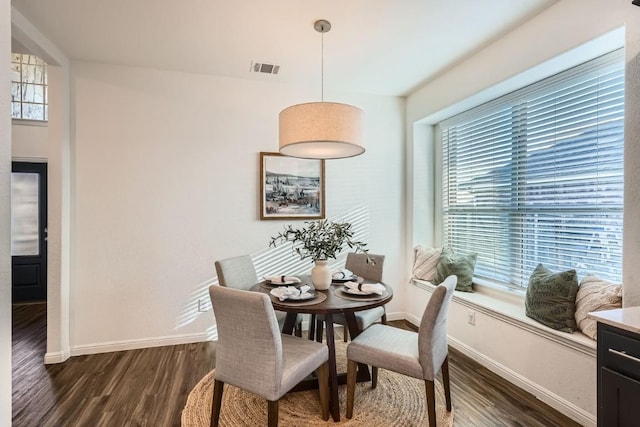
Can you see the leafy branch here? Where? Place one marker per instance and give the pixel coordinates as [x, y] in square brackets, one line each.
[319, 240]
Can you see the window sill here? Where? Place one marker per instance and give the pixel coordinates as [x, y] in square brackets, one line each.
[27, 122]
[508, 306]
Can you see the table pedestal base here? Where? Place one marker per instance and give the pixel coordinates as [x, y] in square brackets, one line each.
[335, 379]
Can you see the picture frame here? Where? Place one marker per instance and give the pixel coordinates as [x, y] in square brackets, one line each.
[291, 188]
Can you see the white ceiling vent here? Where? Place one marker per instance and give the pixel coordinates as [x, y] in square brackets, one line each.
[262, 67]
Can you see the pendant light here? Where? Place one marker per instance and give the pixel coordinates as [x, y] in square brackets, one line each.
[321, 130]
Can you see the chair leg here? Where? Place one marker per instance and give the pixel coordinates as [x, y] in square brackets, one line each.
[298, 330]
[319, 330]
[323, 388]
[352, 369]
[216, 403]
[345, 336]
[431, 402]
[445, 380]
[384, 318]
[272, 413]
[374, 376]
[312, 327]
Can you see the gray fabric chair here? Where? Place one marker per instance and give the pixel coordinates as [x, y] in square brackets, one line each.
[240, 273]
[357, 263]
[419, 355]
[253, 355]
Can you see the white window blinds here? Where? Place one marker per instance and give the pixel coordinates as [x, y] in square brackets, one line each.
[536, 176]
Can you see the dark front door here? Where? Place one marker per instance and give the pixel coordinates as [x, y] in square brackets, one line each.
[29, 231]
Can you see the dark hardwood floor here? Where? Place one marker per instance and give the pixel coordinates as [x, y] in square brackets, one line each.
[149, 387]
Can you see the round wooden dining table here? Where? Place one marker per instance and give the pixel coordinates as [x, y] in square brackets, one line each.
[328, 303]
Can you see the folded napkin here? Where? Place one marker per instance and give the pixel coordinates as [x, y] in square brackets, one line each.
[366, 288]
[291, 292]
[282, 279]
[342, 274]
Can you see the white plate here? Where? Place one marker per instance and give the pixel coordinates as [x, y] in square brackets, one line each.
[353, 278]
[357, 292]
[303, 297]
[286, 283]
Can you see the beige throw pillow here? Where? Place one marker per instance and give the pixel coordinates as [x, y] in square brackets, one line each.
[595, 294]
[426, 263]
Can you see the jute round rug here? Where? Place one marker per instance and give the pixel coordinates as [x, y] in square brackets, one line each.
[398, 400]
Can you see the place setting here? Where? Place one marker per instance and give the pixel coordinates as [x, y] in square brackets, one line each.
[283, 280]
[298, 295]
[360, 291]
[343, 276]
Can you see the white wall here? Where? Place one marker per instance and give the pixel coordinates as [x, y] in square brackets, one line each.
[166, 181]
[5, 216]
[29, 142]
[568, 379]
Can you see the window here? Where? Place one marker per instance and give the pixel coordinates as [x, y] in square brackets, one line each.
[28, 87]
[536, 176]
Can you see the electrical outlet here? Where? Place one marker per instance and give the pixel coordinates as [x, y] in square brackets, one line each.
[202, 306]
[471, 317]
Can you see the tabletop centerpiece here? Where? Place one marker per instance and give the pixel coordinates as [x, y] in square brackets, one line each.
[319, 241]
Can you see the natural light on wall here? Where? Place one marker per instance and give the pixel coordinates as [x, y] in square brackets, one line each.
[28, 87]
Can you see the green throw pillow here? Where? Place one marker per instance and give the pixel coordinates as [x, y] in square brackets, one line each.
[460, 265]
[551, 298]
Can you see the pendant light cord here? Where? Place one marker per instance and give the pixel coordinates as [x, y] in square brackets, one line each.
[322, 26]
[322, 68]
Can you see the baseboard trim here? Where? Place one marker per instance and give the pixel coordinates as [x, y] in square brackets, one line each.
[108, 347]
[415, 320]
[396, 316]
[570, 410]
[53, 357]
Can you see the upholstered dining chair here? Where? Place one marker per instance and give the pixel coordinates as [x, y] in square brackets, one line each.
[419, 355]
[253, 355]
[361, 265]
[240, 273]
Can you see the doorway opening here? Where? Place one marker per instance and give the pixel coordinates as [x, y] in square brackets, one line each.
[28, 232]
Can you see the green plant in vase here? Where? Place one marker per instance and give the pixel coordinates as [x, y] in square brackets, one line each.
[319, 241]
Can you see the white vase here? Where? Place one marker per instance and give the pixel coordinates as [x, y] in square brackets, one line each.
[321, 275]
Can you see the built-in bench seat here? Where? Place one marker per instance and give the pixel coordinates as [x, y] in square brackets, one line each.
[508, 306]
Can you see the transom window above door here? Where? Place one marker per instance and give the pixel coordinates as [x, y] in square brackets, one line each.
[29, 97]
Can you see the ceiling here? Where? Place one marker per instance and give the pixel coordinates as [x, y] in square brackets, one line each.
[375, 46]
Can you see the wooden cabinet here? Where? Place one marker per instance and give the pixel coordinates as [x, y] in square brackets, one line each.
[618, 377]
